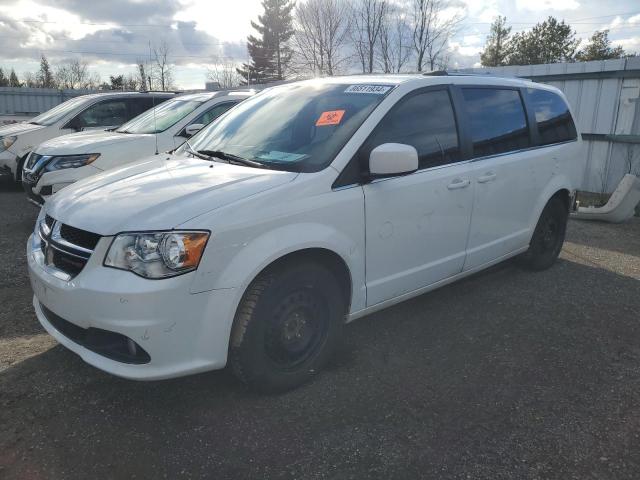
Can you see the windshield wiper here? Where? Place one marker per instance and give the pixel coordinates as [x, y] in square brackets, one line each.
[191, 151]
[231, 158]
[34, 123]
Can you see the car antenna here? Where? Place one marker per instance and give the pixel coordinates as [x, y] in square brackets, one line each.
[155, 126]
[153, 103]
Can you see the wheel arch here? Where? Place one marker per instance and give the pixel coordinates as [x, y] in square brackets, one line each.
[559, 187]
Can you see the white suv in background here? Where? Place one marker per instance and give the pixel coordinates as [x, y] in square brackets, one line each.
[308, 205]
[87, 112]
[59, 162]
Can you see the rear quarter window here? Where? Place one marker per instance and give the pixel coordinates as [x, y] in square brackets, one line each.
[497, 120]
[552, 114]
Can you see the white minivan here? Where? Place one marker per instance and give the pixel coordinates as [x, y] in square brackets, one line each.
[59, 162]
[308, 205]
[88, 112]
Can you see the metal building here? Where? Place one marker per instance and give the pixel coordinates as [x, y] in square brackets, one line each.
[605, 97]
[29, 102]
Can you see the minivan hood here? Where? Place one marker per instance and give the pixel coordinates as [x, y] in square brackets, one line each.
[88, 142]
[159, 192]
[18, 128]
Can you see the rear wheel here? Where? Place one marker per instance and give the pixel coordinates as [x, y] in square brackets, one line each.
[286, 327]
[548, 236]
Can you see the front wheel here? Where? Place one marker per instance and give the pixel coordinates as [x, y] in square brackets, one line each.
[548, 236]
[287, 325]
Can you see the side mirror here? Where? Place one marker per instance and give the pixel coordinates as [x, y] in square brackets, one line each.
[391, 159]
[74, 124]
[194, 128]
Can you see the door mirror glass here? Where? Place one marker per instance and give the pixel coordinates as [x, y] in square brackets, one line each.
[193, 129]
[391, 159]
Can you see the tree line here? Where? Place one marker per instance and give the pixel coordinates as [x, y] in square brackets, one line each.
[550, 41]
[153, 74]
[328, 37]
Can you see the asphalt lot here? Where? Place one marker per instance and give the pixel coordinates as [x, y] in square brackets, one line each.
[505, 375]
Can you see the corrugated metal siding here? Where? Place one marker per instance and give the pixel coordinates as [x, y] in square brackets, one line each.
[601, 105]
[32, 101]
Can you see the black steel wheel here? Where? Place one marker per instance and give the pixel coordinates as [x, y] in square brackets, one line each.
[548, 236]
[286, 327]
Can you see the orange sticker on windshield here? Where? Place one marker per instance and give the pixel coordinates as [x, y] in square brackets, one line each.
[330, 118]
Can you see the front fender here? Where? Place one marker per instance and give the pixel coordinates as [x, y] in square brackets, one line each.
[237, 265]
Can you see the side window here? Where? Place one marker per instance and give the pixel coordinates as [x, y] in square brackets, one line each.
[497, 120]
[552, 116]
[213, 113]
[425, 121]
[110, 113]
[142, 104]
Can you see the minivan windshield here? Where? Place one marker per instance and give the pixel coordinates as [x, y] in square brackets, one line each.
[297, 127]
[166, 115]
[56, 113]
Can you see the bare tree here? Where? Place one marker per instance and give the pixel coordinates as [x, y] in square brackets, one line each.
[395, 41]
[162, 69]
[432, 30]
[367, 20]
[322, 30]
[75, 73]
[224, 71]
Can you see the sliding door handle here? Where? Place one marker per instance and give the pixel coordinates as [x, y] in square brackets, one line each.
[458, 183]
[487, 177]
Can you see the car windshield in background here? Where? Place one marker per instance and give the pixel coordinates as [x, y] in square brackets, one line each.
[299, 127]
[166, 115]
[56, 113]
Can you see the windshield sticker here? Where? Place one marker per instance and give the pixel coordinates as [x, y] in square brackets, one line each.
[276, 156]
[374, 89]
[333, 117]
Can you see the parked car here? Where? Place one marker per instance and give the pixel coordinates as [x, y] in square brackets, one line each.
[87, 112]
[308, 205]
[62, 161]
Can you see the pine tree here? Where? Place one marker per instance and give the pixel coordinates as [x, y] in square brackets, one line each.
[4, 81]
[45, 75]
[599, 48]
[269, 51]
[13, 79]
[548, 42]
[497, 48]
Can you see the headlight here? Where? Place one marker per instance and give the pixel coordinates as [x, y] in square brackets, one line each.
[7, 142]
[71, 161]
[157, 254]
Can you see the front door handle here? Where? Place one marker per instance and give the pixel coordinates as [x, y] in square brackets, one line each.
[487, 177]
[458, 183]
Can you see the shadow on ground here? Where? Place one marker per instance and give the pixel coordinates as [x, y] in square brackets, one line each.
[508, 374]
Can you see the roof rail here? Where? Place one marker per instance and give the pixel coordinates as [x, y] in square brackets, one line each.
[445, 73]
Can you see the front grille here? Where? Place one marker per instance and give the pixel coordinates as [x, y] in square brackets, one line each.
[112, 345]
[67, 263]
[82, 238]
[64, 247]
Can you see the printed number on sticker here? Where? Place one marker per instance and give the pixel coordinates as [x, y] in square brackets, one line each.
[375, 89]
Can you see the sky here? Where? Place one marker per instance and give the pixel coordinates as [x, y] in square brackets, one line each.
[112, 34]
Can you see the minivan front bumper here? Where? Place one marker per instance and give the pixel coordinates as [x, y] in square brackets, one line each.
[182, 333]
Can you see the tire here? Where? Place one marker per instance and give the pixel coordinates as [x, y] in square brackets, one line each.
[548, 237]
[287, 325]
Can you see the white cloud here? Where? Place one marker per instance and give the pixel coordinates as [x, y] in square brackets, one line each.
[630, 45]
[540, 5]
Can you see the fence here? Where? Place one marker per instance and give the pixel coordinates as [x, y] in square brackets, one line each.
[32, 101]
[605, 97]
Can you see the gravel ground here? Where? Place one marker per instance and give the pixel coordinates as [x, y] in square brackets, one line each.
[505, 375]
